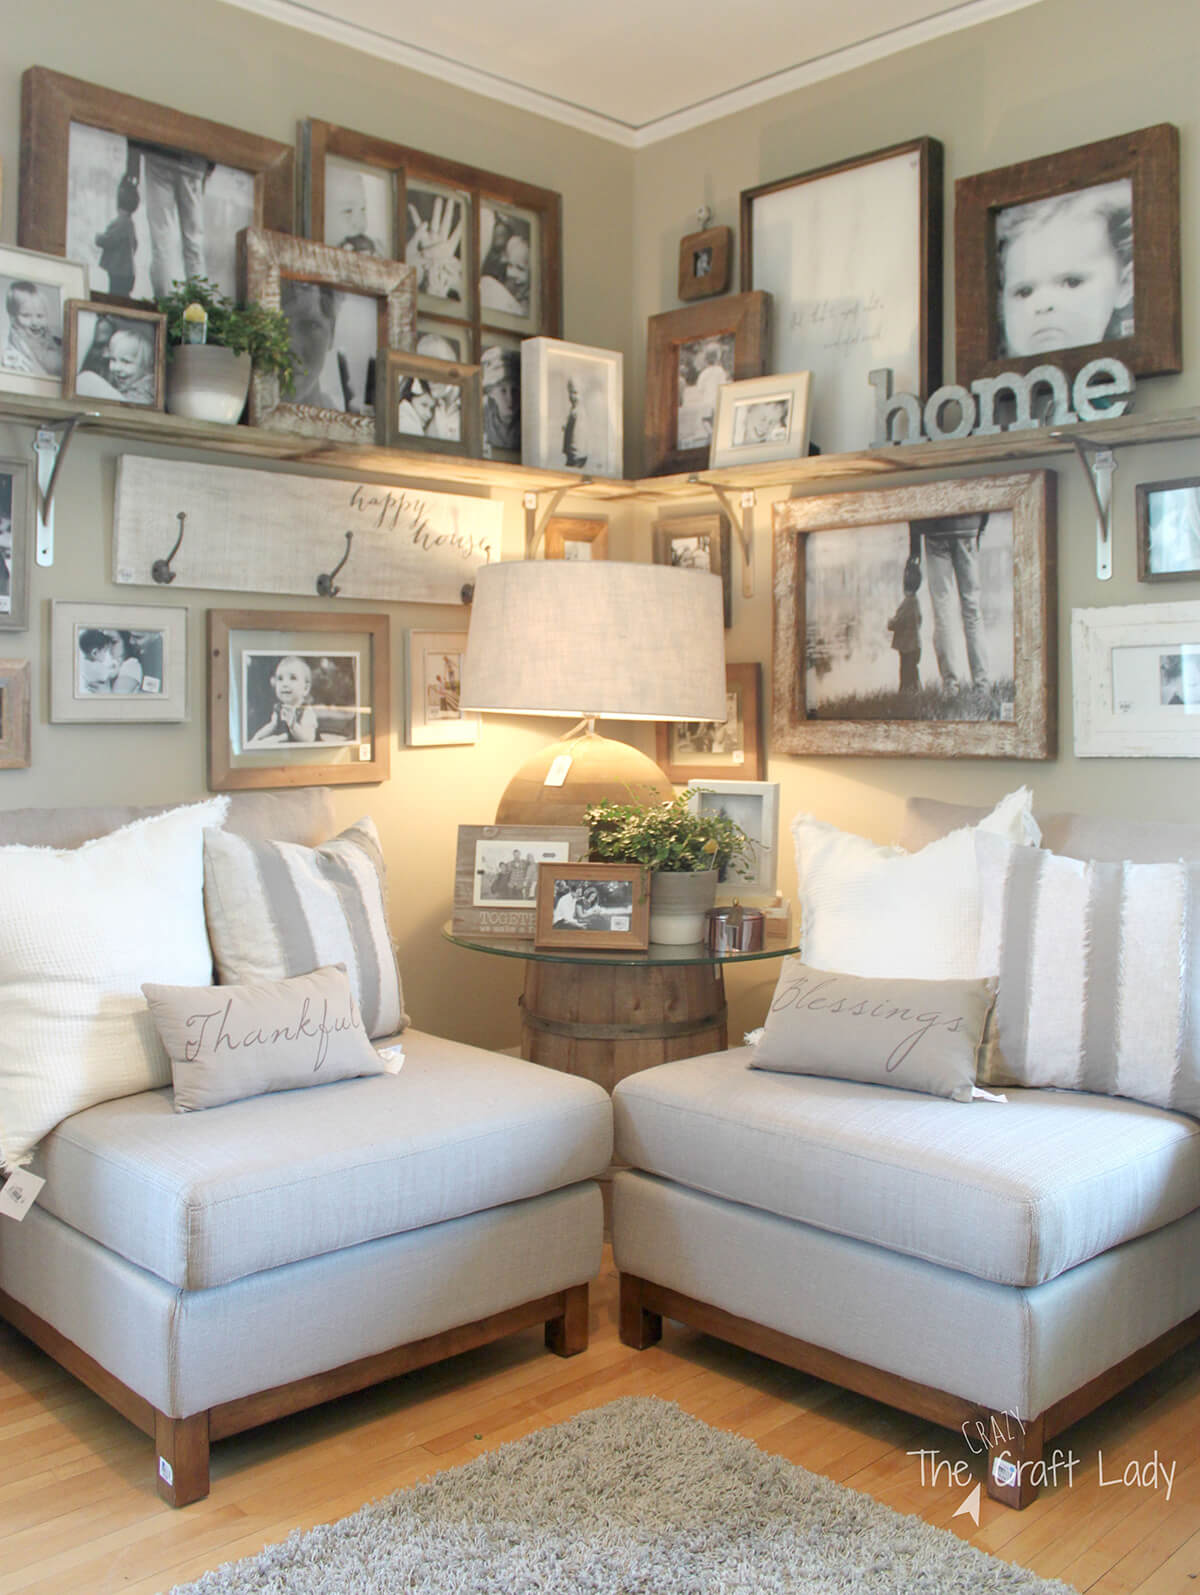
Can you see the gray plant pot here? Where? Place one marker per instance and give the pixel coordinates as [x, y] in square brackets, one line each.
[207, 383]
[679, 900]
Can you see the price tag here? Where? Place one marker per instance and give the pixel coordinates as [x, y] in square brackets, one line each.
[556, 775]
[19, 1194]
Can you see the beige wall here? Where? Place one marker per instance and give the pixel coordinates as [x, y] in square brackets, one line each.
[1056, 74]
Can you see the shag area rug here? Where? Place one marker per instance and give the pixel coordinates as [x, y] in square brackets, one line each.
[632, 1498]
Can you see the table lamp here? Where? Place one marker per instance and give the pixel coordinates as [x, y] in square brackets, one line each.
[585, 638]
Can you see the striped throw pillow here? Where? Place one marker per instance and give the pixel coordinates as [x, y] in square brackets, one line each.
[1099, 973]
[277, 909]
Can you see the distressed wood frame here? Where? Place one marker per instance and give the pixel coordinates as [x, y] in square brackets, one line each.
[15, 732]
[716, 279]
[745, 316]
[73, 310]
[22, 512]
[635, 940]
[747, 680]
[1031, 734]
[564, 529]
[1149, 158]
[397, 363]
[264, 260]
[470, 918]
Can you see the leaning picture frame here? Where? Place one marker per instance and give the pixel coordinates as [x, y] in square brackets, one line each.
[495, 874]
[732, 749]
[1116, 203]
[698, 542]
[114, 663]
[116, 354]
[851, 254]
[433, 715]
[343, 308]
[432, 406]
[762, 420]
[89, 153]
[593, 906]
[1136, 675]
[15, 743]
[31, 363]
[571, 407]
[690, 354]
[917, 620]
[1168, 529]
[16, 542]
[576, 537]
[754, 805]
[297, 699]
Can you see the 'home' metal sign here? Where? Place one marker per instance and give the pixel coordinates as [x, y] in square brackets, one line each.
[1102, 389]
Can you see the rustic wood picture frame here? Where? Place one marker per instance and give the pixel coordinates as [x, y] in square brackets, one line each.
[395, 366]
[267, 260]
[705, 263]
[15, 717]
[51, 101]
[1185, 564]
[745, 759]
[118, 313]
[562, 530]
[1031, 732]
[711, 530]
[233, 766]
[480, 913]
[1149, 160]
[17, 505]
[742, 316]
[632, 879]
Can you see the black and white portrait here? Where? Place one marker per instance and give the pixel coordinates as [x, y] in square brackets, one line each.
[911, 621]
[592, 905]
[1065, 270]
[428, 409]
[360, 208]
[500, 376]
[1179, 679]
[142, 217]
[766, 420]
[705, 365]
[290, 701]
[691, 553]
[110, 660]
[436, 231]
[440, 340]
[702, 260]
[116, 357]
[31, 327]
[506, 263]
[581, 398]
[6, 542]
[506, 874]
[334, 341]
[1173, 531]
[690, 740]
[441, 687]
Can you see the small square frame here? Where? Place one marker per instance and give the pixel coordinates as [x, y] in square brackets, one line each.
[717, 244]
[70, 620]
[790, 442]
[1144, 494]
[151, 318]
[747, 761]
[395, 365]
[20, 474]
[14, 714]
[427, 726]
[765, 843]
[742, 316]
[563, 530]
[634, 937]
[713, 531]
[502, 917]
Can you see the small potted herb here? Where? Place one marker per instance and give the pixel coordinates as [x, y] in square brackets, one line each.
[212, 344]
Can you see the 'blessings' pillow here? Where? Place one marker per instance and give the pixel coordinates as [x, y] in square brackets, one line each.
[918, 1035]
[229, 1042]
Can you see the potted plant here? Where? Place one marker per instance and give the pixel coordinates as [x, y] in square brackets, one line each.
[684, 852]
[212, 343]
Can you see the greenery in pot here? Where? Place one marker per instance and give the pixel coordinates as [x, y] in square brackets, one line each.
[245, 329]
[667, 836]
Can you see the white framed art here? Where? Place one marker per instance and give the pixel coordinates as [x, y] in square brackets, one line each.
[571, 407]
[761, 419]
[1136, 672]
[34, 291]
[754, 805]
[117, 662]
[432, 713]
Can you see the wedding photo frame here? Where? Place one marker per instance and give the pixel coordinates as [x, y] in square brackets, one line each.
[115, 354]
[571, 407]
[731, 749]
[117, 663]
[851, 255]
[35, 290]
[433, 666]
[754, 805]
[1136, 673]
[705, 263]
[428, 404]
[89, 153]
[15, 743]
[1112, 207]
[698, 542]
[1168, 529]
[297, 699]
[690, 354]
[578, 537]
[917, 620]
[496, 874]
[761, 420]
[342, 308]
[16, 539]
[593, 906]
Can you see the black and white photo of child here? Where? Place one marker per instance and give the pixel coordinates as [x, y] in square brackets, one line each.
[506, 872]
[592, 905]
[116, 357]
[358, 208]
[436, 226]
[506, 267]
[290, 701]
[500, 374]
[113, 660]
[705, 365]
[31, 344]
[761, 421]
[6, 542]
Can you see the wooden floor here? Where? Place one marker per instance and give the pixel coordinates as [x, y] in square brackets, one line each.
[78, 1510]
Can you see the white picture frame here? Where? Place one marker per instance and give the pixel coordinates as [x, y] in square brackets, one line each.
[433, 666]
[582, 435]
[1136, 681]
[761, 420]
[57, 281]
[754, 805]
[139, 674]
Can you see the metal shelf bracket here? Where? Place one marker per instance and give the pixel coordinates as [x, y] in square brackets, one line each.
[1098, 467]
[535, 524]
[50, 449]
[743, 524]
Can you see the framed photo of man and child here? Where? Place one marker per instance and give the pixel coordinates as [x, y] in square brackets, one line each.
[117, 662]
[917, 620]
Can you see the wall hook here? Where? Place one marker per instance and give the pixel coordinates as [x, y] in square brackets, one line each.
[161, 568]
[325, 586]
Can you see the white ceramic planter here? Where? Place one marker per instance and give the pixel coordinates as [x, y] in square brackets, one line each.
[679, 901]
[207, 383]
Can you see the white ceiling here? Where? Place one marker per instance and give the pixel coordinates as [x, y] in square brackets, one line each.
[632, 70]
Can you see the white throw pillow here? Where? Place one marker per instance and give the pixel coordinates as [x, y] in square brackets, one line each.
[80, 930]
[879, 911]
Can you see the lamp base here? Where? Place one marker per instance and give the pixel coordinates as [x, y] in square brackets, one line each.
[599, 768]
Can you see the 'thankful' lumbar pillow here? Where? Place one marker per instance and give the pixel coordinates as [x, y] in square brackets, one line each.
[917, 1035]
[230, 1042]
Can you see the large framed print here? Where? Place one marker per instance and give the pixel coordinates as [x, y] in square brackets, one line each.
[593, 906]
[433, 703]
[917, 620]
[15, 744]
[496, 874]
[342, 308]
[299, 699]
[117, 662]
[754, 805]
[690, 355]
[851, 255]
[35, 290]
[16, 538]
[142, 194]
[1070, 258]
[1168, 529]
[571, 407]
[731, 749]
[1136, 670]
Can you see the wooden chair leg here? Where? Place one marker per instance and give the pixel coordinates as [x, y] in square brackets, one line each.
[567, 1335]
[1015, 1472]
[181, 1461]
[639, 1328]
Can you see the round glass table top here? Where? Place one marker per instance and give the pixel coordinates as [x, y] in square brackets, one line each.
[656, 953]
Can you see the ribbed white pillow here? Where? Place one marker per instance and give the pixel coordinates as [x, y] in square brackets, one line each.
[879, 911]
[80, 930]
